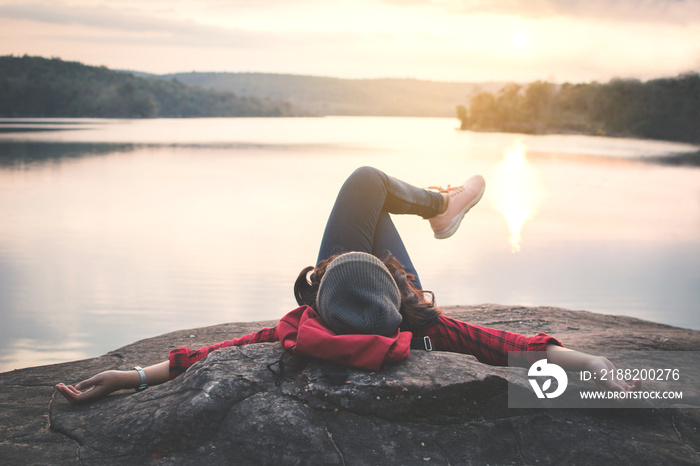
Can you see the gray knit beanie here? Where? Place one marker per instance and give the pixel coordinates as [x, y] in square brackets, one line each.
[357, 294]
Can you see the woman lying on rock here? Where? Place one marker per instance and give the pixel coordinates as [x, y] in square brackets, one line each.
[359, 311]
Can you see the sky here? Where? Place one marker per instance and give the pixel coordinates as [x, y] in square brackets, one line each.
[439, 40]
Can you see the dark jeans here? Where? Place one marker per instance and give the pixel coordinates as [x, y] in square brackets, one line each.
[360, 218]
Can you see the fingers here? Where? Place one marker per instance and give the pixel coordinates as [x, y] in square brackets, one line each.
[92, 394]
[69, 392]
[623, 386]
[78, 393]
[87, 383]
[94, 388]
[72, 389]
[76, 396]
[636, 385]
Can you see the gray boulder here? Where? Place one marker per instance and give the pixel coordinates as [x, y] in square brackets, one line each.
[435, 408]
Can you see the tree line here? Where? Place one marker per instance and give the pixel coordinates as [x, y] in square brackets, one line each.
[36, 86]
[667, 109]
[321, 95]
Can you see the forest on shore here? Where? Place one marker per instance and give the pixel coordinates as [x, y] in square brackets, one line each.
[667, 109]
[42, 87]
[33, 86]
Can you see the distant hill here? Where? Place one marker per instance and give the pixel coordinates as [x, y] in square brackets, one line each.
[335, 96]
[35, 86]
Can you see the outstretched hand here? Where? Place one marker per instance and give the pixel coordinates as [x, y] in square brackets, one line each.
[612, 383]
[94, 388]
[104, 383]
[575, 361]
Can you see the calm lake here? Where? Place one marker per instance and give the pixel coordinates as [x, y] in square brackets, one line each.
[116, 230]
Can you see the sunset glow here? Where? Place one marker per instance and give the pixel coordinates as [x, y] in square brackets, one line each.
[449, 40]
[520, 40]
[516, 191]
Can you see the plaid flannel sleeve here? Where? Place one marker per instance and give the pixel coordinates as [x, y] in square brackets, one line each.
[182, 358]
[488, 345]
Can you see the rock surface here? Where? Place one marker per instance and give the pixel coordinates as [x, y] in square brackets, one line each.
[435, 408]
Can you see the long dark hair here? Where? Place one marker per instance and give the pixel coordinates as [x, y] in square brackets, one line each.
[418, 312]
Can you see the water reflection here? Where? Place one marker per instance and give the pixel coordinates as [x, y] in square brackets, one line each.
[21, 154]
[516, 191]
[138, 228]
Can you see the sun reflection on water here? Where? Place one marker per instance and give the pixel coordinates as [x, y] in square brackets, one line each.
[516, 191]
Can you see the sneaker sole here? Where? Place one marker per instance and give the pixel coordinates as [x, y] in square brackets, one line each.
[454, 224]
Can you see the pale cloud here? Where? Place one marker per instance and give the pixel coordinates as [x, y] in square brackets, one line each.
[656, 11]
[441, 39]
[106, 24]
[108, 17]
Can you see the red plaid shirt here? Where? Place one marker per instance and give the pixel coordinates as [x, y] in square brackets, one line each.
[490, 346]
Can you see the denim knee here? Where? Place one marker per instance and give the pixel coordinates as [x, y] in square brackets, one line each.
[366, 176]
[368, 172]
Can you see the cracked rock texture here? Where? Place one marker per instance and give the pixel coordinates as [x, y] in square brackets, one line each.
[435, 408]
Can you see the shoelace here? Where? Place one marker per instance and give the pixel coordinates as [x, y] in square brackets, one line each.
[449, 190]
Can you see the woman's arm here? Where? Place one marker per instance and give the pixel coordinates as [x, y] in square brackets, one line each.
[491, 346]
[178, 362]
[572, 360]
[182, 358]
[106, 382]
